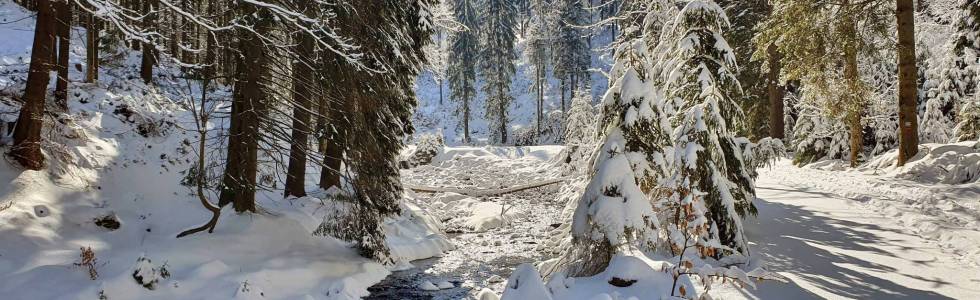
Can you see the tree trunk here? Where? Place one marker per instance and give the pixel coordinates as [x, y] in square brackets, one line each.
[574, 85]
[149, 49]
[321, 123]
[302, 80]
[91, 48]
[440, 92]
[853, 104]
[64, 38]
[344, 91]
[908, 139]
[777, 128]
[503, 117]
[334, 156]
[27, 134]
[537, 78]
[466, 116]
[240, 181]
[562, 92]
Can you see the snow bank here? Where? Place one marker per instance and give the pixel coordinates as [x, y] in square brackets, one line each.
[525, 283]
[957, 163]
[465, 154]
[415, 235]
[626, 277]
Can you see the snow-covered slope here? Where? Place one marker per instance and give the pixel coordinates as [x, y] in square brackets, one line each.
[102, 219]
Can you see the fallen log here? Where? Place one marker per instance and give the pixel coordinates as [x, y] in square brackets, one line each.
[484, 192]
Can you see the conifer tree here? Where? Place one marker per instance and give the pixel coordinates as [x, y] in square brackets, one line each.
[538, 41]
[710, 181]
[373, 111]
[463, 56]
[27, 135]
[64, 16]
[497, 63]
[821, 44]
[669, 174]
[571, 52]
[966, 49]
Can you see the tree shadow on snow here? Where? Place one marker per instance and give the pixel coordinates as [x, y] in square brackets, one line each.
[796, 241]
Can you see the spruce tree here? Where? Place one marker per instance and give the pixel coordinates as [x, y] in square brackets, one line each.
[463, 56]
[497, 63]
[27, 135]
[538, 43]
[669, 174]
[821, 44]
[966, 49]
[571, 51]
[372, 112]
[710, 182]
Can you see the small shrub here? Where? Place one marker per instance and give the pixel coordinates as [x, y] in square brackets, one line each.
[148, 275]
[88, 260]
[427, 146]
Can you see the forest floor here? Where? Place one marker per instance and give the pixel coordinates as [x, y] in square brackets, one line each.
[827, 243]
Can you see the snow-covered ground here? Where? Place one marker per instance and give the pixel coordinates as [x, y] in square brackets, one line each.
[829, 234]
[492, 234]
[828, 243]
[102, 219]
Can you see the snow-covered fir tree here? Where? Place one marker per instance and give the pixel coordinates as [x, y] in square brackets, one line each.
[571, 51]
[669, 175]
[966, 48]
[536, 51]
[497, 63]
[579, 133]
[712, 186]
[463, 54]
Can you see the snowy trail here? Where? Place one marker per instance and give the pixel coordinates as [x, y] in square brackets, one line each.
[836, 248]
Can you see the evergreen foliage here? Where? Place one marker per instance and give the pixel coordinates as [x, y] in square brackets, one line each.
[966, 50]
[463, 62]
[497, 62]
[669, 175]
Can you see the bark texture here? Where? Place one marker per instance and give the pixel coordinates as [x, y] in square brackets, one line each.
[908, 138]
[64, 39]
[777, 127]
[27, 135]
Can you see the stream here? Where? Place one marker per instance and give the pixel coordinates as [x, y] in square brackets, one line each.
[481, 259]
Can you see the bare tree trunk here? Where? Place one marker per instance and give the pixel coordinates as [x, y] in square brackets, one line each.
[853, 104]
[91, 48]
[27, 135]
[333, 157]
[240, 184]
[537, 77]
[908, 140]
[503, 118]
[344, 91]
[321, 123]
[302, 80]
[466, 116]
[562, 92]
[201, 120]
[777, 128]
[149, 50]
[64, 38]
